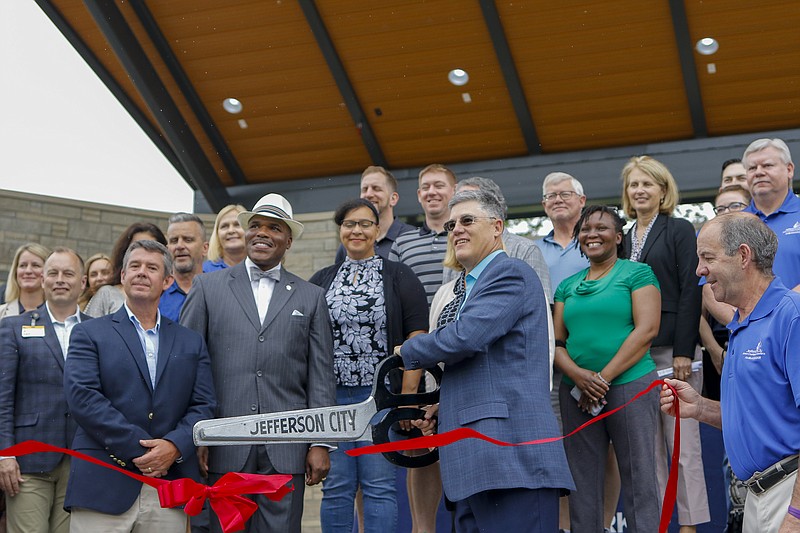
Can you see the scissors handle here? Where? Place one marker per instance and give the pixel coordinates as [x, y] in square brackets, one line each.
[386, 398]
[380, 434]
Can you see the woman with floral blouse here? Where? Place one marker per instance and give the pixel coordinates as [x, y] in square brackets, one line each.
[374, 305]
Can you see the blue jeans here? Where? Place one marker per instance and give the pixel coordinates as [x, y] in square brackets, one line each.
[373, 473]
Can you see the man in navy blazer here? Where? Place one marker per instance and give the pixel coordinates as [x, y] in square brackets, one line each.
[496, 381]
[32, 403]
[136, 383]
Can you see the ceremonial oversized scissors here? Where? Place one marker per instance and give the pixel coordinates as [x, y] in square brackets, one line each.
[338, 423]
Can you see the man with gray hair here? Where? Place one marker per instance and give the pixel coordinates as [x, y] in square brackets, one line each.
[136, 383]
[769, 168]
[761, 375]
[515, 246]
[496, 382]
[563, 200]
[186, 241]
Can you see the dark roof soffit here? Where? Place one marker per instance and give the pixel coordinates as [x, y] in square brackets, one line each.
[123, 42]
[343, 82]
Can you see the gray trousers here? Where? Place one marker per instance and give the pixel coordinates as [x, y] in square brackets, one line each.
[284, 516]
[631, 431]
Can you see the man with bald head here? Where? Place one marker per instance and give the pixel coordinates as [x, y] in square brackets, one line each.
[760, 396]
[379, 186]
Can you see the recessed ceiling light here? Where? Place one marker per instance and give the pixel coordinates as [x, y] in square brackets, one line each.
[707, 46]
[232, 105]
[458, 77]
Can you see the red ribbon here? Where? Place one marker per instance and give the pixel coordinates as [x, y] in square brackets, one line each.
[443, 439]
[225, 497]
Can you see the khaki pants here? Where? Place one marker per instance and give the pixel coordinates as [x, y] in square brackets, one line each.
[764, 513]
[692, 500]
[145, 516]
[39, 506]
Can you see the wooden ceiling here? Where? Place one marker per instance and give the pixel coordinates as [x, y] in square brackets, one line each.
[329, 87]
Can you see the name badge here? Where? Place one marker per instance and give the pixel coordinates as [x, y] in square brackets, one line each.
[32, 331]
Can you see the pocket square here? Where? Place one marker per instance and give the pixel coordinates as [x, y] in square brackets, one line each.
[297, 313]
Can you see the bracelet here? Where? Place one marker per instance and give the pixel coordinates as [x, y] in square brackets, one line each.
[560, 344]
[602, 379]
[794, 512]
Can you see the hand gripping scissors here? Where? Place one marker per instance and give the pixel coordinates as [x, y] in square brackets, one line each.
[338, 423]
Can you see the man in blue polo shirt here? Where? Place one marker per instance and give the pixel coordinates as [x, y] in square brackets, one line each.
[563, 199]
[761, 375]
[186, 241]
[769, 168]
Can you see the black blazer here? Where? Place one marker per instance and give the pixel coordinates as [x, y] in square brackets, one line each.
[671, 251]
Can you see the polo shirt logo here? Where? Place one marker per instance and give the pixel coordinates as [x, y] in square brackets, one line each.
[754, 354]
[793, 230]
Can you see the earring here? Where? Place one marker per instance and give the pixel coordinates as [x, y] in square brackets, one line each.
[661, 202]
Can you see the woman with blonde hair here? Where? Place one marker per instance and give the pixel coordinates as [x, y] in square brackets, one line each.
[669, 245]
[226, 248]
[24, 287]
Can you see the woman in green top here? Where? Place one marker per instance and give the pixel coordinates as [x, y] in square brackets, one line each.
[605, 318]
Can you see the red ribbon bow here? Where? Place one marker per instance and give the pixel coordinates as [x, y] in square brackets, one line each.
[443, 439]
[225, 496]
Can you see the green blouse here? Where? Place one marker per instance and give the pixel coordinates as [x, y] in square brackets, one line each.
[598, 315]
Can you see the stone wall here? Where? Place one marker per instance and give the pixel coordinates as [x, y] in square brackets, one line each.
[90, 228]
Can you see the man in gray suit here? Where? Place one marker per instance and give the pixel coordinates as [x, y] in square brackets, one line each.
[269, 337]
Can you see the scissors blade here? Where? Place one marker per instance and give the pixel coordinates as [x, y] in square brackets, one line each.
[338, 423]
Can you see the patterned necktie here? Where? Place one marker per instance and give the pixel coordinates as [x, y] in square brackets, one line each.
[256, 274]
[450, 311]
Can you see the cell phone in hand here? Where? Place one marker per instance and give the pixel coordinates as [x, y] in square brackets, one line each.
[595, 410]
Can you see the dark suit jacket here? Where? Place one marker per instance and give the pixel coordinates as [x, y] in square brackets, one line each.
[110, 395]
[671, 251]
[32, 403]
[285, 363]
[496, 381]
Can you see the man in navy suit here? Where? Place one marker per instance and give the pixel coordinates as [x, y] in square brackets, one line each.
[32, 403]
[496, 381]
[136, 383]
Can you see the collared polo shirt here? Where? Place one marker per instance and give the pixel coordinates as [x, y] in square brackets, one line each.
[785, 222]
[171, 301]
[149, 339]
[760, 383]
[562, 262]
[422, 250]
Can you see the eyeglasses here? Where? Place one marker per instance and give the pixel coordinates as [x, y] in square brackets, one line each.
[464, 220]
[365, 224]
[732, 207]
[564, 195]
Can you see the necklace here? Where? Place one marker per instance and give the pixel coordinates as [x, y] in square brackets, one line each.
[635, 244]
[603, 273]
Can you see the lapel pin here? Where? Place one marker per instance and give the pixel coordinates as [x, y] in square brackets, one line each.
[288, 287]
